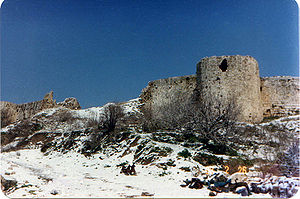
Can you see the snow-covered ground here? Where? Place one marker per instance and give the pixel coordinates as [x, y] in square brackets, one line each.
[71, 174]
[74, 175]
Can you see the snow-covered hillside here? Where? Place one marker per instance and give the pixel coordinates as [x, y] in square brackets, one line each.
[73, 175]
[67, 156]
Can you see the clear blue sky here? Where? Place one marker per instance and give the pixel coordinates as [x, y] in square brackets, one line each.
[107, 50]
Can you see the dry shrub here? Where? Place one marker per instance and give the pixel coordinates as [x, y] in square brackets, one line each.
[213, 120]
[268, 168]
[289, 161]
[207, 159]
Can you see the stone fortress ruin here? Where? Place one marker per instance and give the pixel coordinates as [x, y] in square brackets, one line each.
[230, 77]
[222, 78]
[17, 112]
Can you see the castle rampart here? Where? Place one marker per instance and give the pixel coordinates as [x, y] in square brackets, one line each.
[232, 79]
[164, 91]
[262, 97]
[280, 96]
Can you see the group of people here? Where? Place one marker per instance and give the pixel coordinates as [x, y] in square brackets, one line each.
[129, 170]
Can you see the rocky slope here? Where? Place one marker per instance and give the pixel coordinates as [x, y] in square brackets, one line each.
[61, 152]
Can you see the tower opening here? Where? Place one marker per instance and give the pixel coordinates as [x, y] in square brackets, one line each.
[223, 65]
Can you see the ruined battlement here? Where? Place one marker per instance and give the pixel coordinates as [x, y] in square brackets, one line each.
[161, 91]
[227, 77]
[27, 110]
[280, 96]
[24, 111]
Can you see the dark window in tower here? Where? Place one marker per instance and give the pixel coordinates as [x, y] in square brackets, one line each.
[223, 65]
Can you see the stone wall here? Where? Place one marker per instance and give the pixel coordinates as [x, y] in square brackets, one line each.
[257, 97]
[280, 96]
[162, 92]
[232, 79]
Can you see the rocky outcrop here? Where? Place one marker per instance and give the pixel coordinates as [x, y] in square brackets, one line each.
[70, 103]
[11, 112]
[15, 112]
[7, 184]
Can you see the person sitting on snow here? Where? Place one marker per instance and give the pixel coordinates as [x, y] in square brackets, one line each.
[132, 170]
[124, 170]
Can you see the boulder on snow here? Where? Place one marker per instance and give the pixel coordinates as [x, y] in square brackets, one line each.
[218, 177]
[71, 103]
[238, 177]
[54, 192]
[146, 194]
[7, 184]
[212, 193]
[243, 191]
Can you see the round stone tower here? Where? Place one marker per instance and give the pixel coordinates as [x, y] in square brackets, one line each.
[228, 79]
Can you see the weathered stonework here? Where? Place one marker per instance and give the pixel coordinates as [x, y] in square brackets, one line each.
[17, 112]
[163, 91]
[256, 97]
[237, 81]
[280, 96]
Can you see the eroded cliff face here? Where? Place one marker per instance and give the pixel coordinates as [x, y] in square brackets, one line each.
[14, 112]
[11, 112]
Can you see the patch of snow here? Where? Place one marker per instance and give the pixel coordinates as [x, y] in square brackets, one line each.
[132, 106]
[11, 145]
[89, 113]
[7, 128]
[48, 112]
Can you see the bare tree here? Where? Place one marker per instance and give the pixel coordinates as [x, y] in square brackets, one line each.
[112, 114]
[215, 119]
[204, 115]
[289, 160]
